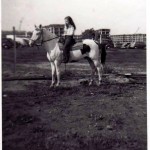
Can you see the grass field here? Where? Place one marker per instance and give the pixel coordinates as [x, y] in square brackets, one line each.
[74, 116]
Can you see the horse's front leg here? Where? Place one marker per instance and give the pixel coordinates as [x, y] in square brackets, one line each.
[57, 66]
[53, 74]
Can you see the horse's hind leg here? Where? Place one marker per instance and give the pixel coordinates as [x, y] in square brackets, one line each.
[99, 67]
[53, 74]
[92, 65]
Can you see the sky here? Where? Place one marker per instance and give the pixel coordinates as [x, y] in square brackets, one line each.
[121, 16]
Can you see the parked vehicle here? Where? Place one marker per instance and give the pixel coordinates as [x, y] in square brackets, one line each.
[109, 45]
[7, 43]
[138, 45]
[125, 45]
[22, 41]
[117, 45]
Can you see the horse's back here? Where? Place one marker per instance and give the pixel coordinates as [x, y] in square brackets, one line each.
[79, 45]
[91, 43]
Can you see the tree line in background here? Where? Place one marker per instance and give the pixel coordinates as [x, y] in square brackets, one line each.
[88, 34]
[93, 34]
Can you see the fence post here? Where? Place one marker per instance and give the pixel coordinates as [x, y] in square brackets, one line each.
[15, 55]
[65, 67]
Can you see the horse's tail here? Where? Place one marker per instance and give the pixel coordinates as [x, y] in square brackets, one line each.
[103, 53]
[102, 50]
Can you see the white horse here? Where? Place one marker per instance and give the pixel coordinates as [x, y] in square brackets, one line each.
[90, 51]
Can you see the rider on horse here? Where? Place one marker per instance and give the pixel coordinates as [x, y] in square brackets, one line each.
[69, 41]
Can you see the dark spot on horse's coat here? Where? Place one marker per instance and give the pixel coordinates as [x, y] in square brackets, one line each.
[85, 49]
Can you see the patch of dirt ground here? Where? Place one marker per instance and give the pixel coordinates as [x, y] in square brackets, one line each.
[74, 116]
[79, 117]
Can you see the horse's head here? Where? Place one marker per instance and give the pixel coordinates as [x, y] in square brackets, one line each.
[36, 35]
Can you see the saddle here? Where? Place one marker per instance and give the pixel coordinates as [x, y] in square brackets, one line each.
[76, 46]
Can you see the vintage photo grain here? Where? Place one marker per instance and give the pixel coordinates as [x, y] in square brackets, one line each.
[74, 74]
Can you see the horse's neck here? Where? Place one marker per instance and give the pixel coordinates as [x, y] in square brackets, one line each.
[49, 44]
[47, 35]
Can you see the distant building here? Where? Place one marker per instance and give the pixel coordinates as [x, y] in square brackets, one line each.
[103, 35]
[104, 32]
[58, 29]
[124, 38]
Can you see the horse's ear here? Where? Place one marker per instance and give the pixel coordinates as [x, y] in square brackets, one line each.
[35, 26]
[40, 26]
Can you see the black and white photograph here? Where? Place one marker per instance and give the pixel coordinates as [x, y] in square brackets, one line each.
[74, 74]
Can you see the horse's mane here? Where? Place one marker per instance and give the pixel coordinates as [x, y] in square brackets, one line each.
[53, 34]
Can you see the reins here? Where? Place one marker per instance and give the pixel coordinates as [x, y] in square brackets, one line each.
[43, 41]
[50, 39]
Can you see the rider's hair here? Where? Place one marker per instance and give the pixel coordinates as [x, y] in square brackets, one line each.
[70, 20]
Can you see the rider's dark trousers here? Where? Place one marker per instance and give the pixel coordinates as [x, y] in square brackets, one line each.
[67, 47]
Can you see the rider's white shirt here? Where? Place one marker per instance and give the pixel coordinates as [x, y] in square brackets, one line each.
[69, 30]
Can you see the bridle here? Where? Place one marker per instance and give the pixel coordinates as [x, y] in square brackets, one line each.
[43, 41]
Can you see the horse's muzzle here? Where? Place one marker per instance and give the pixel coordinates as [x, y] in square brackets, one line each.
[31, 42]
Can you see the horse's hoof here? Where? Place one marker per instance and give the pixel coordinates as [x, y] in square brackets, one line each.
[90, 83]
[99, 83]
[52, 86]
[58, 85]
